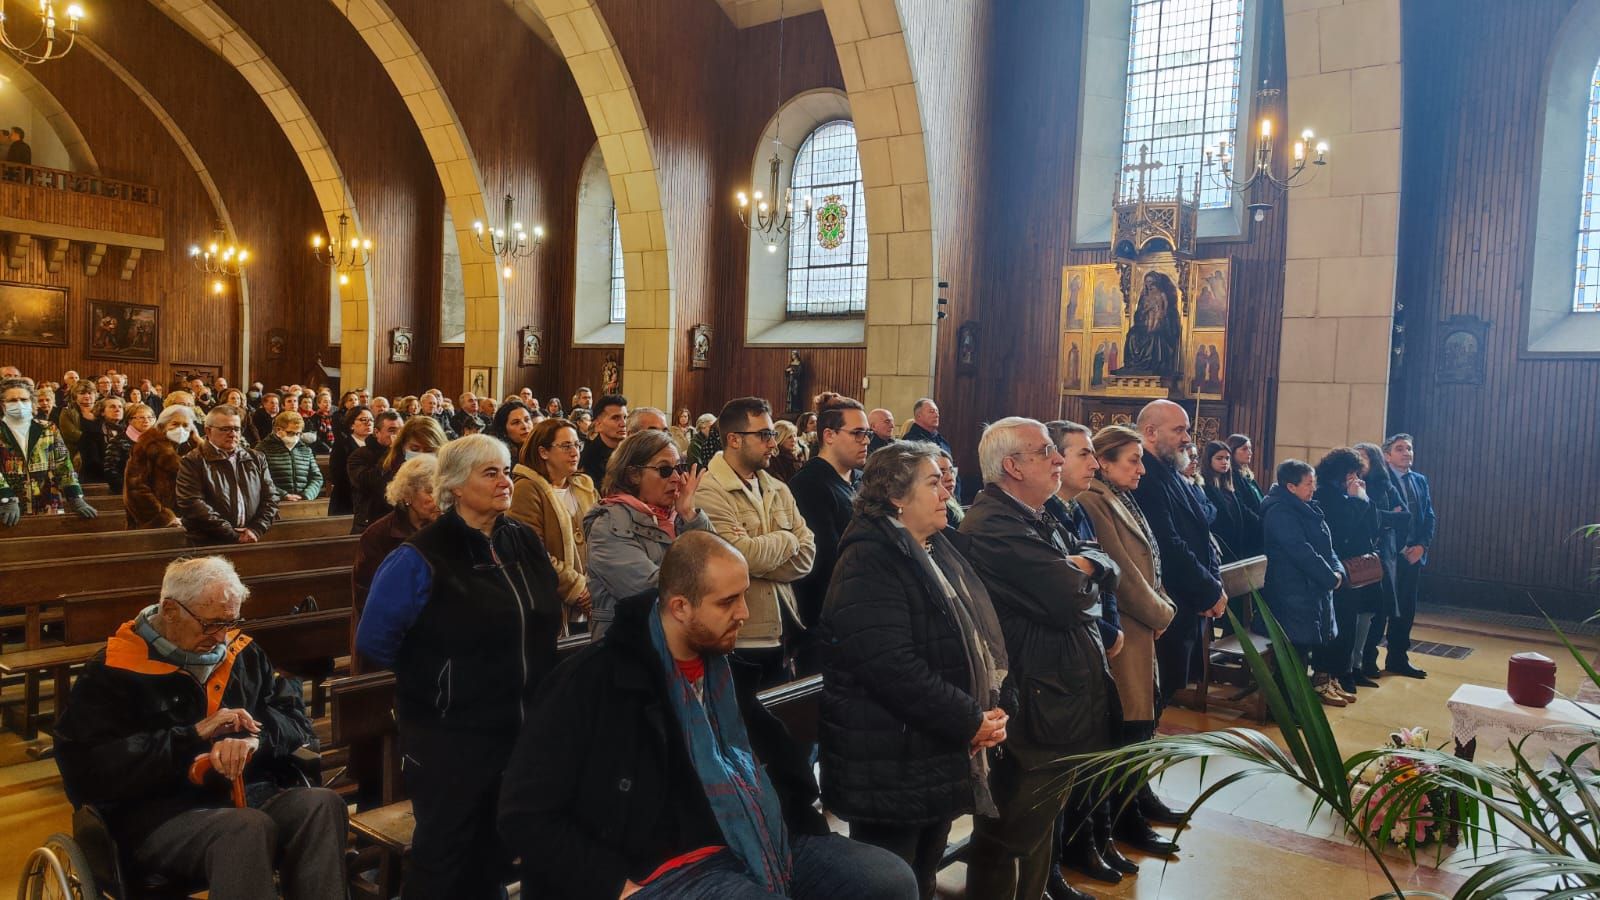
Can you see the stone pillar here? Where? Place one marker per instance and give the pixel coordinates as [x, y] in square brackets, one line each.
[1344, 82]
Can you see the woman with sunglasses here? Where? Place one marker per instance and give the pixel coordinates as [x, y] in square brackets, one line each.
[551, 496]
[648, 501]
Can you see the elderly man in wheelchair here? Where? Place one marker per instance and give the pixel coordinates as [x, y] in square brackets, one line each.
[183, 738]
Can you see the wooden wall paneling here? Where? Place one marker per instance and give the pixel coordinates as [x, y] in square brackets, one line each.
[386, 164]
[530, 136]
[706, 121]
[1511, 461]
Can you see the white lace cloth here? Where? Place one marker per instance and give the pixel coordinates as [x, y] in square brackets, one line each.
[1488, 714]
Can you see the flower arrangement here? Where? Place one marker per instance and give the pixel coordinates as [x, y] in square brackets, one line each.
[1372, 794]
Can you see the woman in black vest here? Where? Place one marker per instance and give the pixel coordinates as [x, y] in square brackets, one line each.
[466, 613]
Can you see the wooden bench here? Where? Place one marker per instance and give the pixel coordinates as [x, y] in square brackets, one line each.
[33, 549]
[68, 523]
[1222, 659]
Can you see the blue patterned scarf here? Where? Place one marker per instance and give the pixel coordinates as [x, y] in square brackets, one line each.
[742, 799]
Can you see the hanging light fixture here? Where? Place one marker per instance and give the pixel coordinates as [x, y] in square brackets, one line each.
[760, 211]
[342, 253]
[508, 246]
[44, 46]
[219, 258]
[1260, 171]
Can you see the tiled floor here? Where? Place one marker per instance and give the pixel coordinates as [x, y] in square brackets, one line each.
[1254, 839]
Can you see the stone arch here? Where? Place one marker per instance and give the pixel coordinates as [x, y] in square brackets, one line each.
[201, 172]
[901, 332]
[441, 130]
[77, 147]
[215, 29]
[590, 50]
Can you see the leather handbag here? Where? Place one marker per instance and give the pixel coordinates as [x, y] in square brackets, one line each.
[1361, 571]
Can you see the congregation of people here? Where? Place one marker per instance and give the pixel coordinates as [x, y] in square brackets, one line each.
[967, 651]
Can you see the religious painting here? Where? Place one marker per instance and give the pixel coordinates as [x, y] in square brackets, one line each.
[1205, 365]
[1210, 293]
[610, 375]
[400, 345]
[967, 347]
[1071, 363]
[700, 347]
[277, 343]
[478, 381]
[1108, 301]
[129, 331]
[532, 343]
[1073, 316]
[1154, 337]
[1107, 354]
[1461, 350]
[183, 371]
[33, 315]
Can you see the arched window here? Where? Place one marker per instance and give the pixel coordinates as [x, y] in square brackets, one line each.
[828, 260]
[1185, 59]
[1586, 296]
[600, 305]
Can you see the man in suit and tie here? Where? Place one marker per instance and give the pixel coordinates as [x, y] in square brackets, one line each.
[1400, 452]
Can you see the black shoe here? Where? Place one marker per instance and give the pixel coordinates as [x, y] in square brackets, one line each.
[1153, 809]
[1347, 684]
[1407, 670]
[1371, 670]
[1058, 888]
[1363, 680]
[1081, 856]
[1145, 839]
[1115, 859]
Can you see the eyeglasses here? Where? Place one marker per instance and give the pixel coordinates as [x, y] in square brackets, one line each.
[860, 434]
[226, 429]
[567, 446]
[665, 470]
[1045, 452]
[209, 627]
[765, 434]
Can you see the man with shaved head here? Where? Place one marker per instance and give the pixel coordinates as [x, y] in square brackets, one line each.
[645, 771]
[881, 421]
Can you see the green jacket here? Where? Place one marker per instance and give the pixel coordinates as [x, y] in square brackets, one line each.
[40, 476]
[294, 471]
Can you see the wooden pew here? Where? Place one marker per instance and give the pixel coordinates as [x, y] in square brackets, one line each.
[88, 619]
[1222, 658]
[147, 539]
[67, 523]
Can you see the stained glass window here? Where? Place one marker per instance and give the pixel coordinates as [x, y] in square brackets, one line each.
[619, 290]
[1184, 64]
[828, 258]
[1586, 297]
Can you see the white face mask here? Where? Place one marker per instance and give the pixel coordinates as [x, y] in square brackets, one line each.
[413, 454]
[178, 435]
[308, 437]
[19, 410]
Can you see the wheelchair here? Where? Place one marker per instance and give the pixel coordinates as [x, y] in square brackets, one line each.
[89, 865]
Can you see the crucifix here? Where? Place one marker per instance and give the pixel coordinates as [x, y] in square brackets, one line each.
[1144, 166]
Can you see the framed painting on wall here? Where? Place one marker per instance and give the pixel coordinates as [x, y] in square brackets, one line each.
[478, 381]
[130, 331]
[532, 342]
[277, 343]
[967, 347]
[400, 345]
[30, 314]
[700, 347]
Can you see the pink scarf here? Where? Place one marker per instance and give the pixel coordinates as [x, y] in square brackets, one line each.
[666, 519]
[132, 435]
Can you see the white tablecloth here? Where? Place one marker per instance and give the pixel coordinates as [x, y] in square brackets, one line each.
[1487, 713]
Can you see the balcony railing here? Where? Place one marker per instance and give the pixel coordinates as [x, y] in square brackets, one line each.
[79, 200]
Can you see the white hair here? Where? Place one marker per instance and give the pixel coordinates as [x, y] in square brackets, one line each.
[634, 417]
[1003, 439]
[187, 580]
[175, 411]
[459, 458]
[413, 477]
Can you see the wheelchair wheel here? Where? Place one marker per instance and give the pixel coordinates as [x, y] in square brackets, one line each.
[57, 871]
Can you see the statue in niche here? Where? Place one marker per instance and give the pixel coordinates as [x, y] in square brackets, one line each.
[793, 374]
[1151, 347]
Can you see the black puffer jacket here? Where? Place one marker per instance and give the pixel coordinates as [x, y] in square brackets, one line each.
[896, 716]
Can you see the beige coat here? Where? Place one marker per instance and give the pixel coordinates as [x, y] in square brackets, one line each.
[534, 503]
[1143, 609]
[773, 538]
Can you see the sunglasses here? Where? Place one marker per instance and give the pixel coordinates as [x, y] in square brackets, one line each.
[665, 470]
[766, 434]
